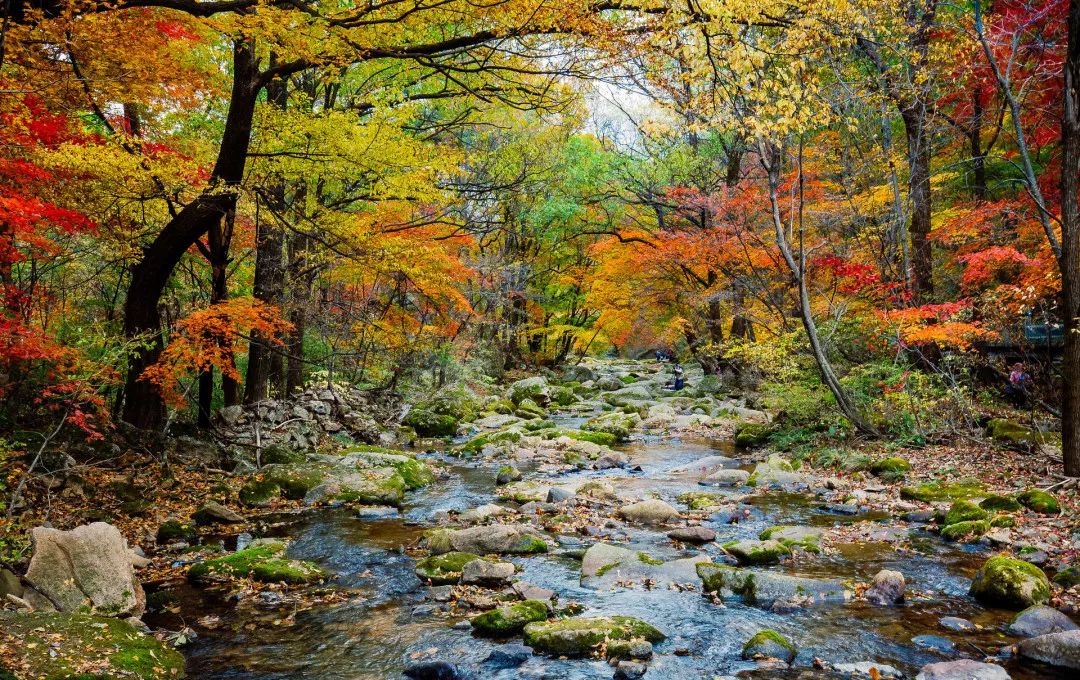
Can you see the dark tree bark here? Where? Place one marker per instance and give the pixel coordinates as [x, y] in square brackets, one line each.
[918, 141]
[1070, 248]
[265, 366]
[143, 406]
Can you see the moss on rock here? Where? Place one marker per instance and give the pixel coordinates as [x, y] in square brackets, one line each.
[78, 646]
[998, 503]
[1068, 577]
[750, 435]
[1014, 434]
[964, 511]
[430, 424]
[892, 467]
[1039, 501]
[757, 552]
[966, 529]
[175, 530]
[264, 563]
[936, 492]
[1010, 583]
[769, 644]
[584, 636]
[278, 454]
[445, 568]
[511, 619]
[618, 425]
[258, 493]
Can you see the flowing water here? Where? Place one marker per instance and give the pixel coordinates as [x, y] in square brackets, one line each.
[389, 620]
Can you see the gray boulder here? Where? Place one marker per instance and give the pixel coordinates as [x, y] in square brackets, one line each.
[651, 511]
[487, 573]
[1056, 649]
[89, 567]
[1040, 620]
[964, 669]
[696, 534]
[503, 539]
[216, 513]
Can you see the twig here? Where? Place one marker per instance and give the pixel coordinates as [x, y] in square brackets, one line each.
[33, 464]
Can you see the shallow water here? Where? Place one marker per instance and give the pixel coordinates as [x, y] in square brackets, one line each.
[387, 621]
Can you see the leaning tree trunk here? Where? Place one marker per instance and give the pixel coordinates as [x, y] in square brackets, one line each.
[1070, 249]
[143, 406]
[771, 158]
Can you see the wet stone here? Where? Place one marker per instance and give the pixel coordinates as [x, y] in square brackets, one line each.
[629, 670]
[964, 669]
[934, 643]
[956, 623]
[505, 657]
[866, 669]
[692, 534]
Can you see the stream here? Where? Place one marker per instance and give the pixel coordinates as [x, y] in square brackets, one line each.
[390, 620]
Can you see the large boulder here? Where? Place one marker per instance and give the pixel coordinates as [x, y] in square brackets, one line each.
[1057, 649]
[535, 388]
[605, 565]
[51, 645]
[265, 562]
[652, 512]
[963, 669]
[88, 569]
[1010, 583]
[510, 619]
[757, 552]
[617, 424]
[487, 573]
[583, 636]
[1040, 620]
[767, 588]
[502, 539]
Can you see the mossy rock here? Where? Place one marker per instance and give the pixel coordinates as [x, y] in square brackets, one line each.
[1039, 501]
[258, 493]
[58, 646]
[599, 438]
[936, 492]
[617, 424]
[136, 508]
[278, 454]
[750, 435]
[445, 568]
[702, 500]
[1014, 434]
[769, 644]
[1010, 583]
[511, 619]
[964, 511]
[529, 410]
[477, 443]
[295, 480]
[892, 467]
[430, 424]
[563, 395]
[175, 530]
[1003, 521]
[996, 502]
[804, 538]
[264, 563]
[959, 531]
[754, 553]
[1068, 577]
[577, 637]
[459, 402]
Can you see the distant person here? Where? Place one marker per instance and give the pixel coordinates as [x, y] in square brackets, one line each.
[677, 381]
[1017, 388]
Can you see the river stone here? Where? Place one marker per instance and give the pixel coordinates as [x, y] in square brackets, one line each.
[696, 534]
[956, 623]
[754, 552]
[629, 670]
[483, 513]
[766, 588]
[510, 619]
[609, 383]
[934, 643]
[1057, 649]
[436, 670]
[507, 474]
[505, 657]
[445, 568]
[963, 669]
[216, 513]
[1040, 620]
[577, 637]
[602, 556]
[529, 591]
[375, 512]
[503, 539]
[726, 477]
[535, 388]
[87, 568]
[1010, 583]
[865, 669]
[652, 511]
[887, 589]
[768, 644]
[706, 466]
[558, 494]
[487, 573]
[496, 421]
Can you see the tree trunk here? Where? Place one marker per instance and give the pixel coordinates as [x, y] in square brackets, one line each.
[771, 157]
[143, 406]
[265, 366]
[922, 260]
[1070, 249]
[978, 155]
